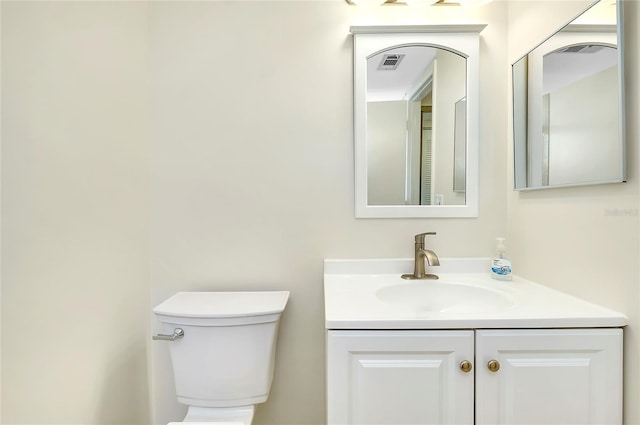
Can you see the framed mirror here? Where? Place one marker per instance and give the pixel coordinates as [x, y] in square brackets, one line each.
[416, 119]
[568, 104]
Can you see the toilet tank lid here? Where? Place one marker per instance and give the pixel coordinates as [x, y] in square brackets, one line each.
[223, 304]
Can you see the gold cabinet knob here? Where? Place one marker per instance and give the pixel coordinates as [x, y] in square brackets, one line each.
[466, 366]
[493, 365]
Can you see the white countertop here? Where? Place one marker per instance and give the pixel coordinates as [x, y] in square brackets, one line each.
[351, 301]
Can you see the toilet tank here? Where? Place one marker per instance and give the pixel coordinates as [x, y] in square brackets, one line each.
[226, 357]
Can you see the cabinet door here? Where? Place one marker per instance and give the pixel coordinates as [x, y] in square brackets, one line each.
[549, 376]
[399, 377]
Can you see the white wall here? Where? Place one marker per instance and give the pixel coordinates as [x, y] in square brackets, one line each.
[239, 197]
[252, 168]
[244, 111]
[584, 139]
[583, 240]
[386, 152]
[0, 220]
[75, 282]
[449, 88]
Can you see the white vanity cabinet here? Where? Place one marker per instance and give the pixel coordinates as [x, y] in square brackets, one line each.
[465, 349]
[399, 377]
[517, 376]
[549, 376]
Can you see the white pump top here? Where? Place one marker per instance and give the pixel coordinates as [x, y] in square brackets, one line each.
[500, 248]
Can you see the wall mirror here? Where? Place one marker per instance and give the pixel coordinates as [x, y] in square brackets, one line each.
[568, 97]
[416, 119]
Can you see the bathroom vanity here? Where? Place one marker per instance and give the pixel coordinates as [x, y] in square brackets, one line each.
[465, 349]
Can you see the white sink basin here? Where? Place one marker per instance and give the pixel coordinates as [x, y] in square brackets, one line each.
[370, 294]
[445, 297]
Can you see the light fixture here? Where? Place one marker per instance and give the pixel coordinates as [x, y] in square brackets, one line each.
[367, 3]
[473, 3]
[420, 3]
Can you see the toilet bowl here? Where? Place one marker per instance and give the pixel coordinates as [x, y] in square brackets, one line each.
[222, 347]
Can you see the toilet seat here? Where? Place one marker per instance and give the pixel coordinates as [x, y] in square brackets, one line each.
[240, 415]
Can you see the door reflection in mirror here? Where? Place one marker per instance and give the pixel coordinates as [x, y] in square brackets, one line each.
[580, 114]
[414, 96]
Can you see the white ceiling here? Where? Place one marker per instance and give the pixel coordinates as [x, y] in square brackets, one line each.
[563, 68]
[393, 85]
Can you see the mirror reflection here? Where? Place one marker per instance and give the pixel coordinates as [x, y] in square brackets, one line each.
[568, 119]
[416, 126]
[416, 120]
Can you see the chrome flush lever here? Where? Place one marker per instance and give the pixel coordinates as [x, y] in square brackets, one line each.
[177, 334]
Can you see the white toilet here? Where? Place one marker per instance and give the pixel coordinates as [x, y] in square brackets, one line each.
[222, 347]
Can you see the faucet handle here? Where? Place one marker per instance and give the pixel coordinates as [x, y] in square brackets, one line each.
[420, 237]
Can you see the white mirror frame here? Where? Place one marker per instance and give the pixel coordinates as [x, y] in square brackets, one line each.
[461, 39]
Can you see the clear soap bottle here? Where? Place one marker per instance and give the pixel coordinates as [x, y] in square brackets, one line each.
[500, 265]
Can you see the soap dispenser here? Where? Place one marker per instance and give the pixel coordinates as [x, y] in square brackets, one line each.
[500, 265]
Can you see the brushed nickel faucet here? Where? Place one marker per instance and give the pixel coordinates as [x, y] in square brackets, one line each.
[420, 256]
